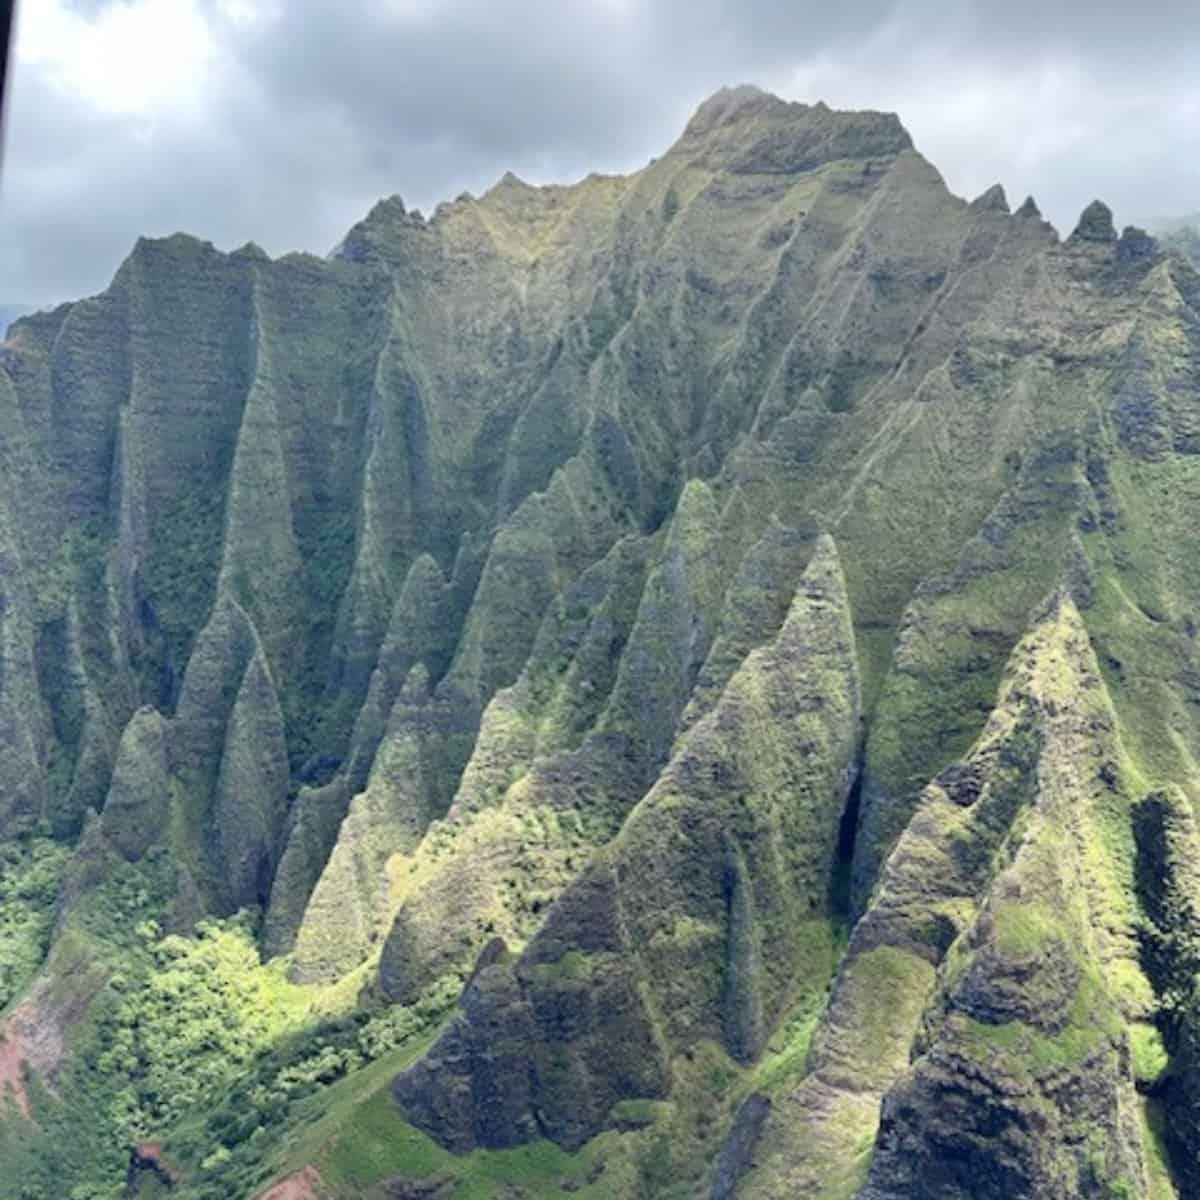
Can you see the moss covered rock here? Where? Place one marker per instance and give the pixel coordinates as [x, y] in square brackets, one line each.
[698, 920]
[139, 799]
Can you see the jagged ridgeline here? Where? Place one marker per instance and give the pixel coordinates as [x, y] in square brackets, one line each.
[683, 685]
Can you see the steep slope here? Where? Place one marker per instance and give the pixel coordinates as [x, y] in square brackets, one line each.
[620, 609]
[990, 990]
[704, 919]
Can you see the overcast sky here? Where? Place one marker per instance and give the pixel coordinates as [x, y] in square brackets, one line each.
[282, 121]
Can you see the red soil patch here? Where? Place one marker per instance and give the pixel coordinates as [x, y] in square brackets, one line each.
[12, 1072]
[300, 1185]
[33, 1035]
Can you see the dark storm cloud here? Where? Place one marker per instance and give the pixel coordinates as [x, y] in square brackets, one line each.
[301, 119]
[539, 79]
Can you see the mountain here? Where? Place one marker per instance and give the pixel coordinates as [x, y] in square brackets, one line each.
[682, 685]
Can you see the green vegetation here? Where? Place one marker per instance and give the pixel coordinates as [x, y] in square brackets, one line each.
[374, 1145]
[189, 1041]
[181, 575]
[1154, 1139]
[326, 542]
[786, 1056]
[1150, 1058]
[237, 1143]
[31, 872]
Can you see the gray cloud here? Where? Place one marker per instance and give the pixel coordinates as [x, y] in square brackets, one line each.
[300, 122]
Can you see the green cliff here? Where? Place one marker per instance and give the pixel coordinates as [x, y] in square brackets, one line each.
[681, 685]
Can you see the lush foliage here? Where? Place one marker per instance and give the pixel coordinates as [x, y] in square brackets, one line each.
[192, 1041]
[30, 872]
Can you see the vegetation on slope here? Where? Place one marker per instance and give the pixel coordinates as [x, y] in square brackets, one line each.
[188, 1058]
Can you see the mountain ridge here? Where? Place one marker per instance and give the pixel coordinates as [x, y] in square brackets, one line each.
[419, 603]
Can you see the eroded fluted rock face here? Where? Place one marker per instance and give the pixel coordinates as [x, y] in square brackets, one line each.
[520, 787]
[1168, 864]
[696, 922]
[349, 909]
[1026, 1049]
[981, 1018]
[251, 796]
[138, 805]
[627, 601]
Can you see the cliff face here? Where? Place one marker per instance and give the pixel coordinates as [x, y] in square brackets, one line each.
[738, 619]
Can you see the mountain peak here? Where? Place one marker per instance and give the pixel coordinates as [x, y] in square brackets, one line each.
[1095, 224]
[749, 131]
[253, 251]
[992, 200]
[725, 102]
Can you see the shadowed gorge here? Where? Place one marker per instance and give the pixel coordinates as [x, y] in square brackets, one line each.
[678, 685]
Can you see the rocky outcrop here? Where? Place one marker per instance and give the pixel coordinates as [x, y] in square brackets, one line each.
[563, 802]
[250, 802]
[1167, 846]
[22, 775]
[1095, 224]
[139, 799]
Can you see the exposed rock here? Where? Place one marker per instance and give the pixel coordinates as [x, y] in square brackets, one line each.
[22, 777]
[737, 1151]
[311, 829]
[1167, 844]
[771, 136]
[992, 200]
[35, 1035]
[500, 1075]
[136, 811]
[251, 795]
[1135, 245]
[304, 1184]
[215, 671]
[991, 1065]
[1095, 224]
[951, 650]
[511, 803]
